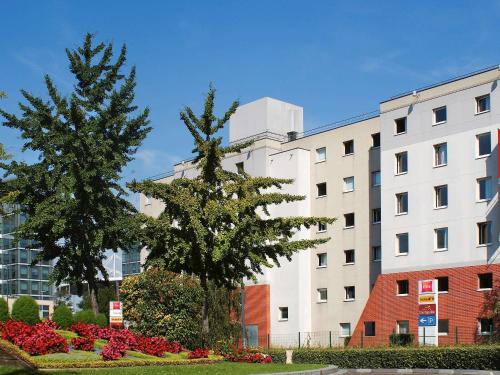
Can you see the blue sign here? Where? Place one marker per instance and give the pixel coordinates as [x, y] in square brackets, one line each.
[426, 320]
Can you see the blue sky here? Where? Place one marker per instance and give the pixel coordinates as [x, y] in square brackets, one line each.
[335, 58]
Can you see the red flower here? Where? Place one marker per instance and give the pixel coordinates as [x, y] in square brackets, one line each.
[83, 343]
[198, 353]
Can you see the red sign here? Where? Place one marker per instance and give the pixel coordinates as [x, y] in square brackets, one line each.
[426, 286]
[116, 305]
[427, 309]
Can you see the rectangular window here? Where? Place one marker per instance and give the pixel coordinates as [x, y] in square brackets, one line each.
[376, 140]
[443, 284]
[350, 293]
[376, 215]
[403, 326]
[322, 259]
[376, 178]
[321, 189]
[322, 295]
[484, 189]
[321, 154]
[485, 280]
[441, 196]
[402, 162]
[376, 253]
[401, 203]
[402, 287]
[43, 311]
[349, 220]
[440, 154]
[441, 239]
[485, 326]
[482, 103]
[400, 125]
[349, 256]
[402, 245]
[345, 329]
[283, 313]
[349, 147]
[369, 328]
[443, 326]
[484, 233]
[321, 227]
[348, 184]
[483, 144]
[439, 115]
[240, 167]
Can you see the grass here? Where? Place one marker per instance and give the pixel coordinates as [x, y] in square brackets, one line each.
[225, 368]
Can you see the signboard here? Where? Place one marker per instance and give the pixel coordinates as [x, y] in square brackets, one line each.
[427, 309]
[115, 313]
[427, 320]
[426, 286]
[426, 299]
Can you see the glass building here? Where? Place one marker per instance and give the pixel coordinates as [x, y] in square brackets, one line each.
[131, 261]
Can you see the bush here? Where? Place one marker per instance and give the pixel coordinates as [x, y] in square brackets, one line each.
[198, 353]
[63, 316]
[25, 309]
[101, 320]
[277, 355]
[85, 316]
[401, 339]
[83, 343]
[44, 342]
[4, 310]
[482, 357]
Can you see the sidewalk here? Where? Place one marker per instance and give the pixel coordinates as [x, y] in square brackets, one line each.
[337, 371]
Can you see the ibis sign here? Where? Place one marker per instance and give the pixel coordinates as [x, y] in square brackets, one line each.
[428, 310]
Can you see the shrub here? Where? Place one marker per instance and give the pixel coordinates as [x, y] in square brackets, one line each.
[44, 341]
[277, 355]
[198, 353]
[401, 339]
[114, 349]
[15, 331]
[83, 343]
[85, 330]
[25, 309]
[249, 357]
[481, 357]
[4, 310]
[101, 320]
[84, 316]
[63, 316]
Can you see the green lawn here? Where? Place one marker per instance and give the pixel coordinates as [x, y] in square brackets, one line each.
[222, 368]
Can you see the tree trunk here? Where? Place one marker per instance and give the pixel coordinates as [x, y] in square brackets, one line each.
[93, 300]
[205, 329]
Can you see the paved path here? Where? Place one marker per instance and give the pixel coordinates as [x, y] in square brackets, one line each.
[7, 359]
[337, 371]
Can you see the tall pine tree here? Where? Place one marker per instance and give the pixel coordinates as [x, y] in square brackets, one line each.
[217, 225]
[72, 198]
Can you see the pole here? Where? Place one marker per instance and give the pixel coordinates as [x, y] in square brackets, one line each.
[424, 336]
[456, 335]
[268, 341]
[299, 339]
[330, 339]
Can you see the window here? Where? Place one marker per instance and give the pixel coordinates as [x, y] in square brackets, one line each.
[402, 243]
[403, 326]
[401, 203]
[376, 140]
[350, 293]
[369, 328]
[443, 327]
[485, 326]
[483, 144]
[240, 167]
[376, 178]
[348, 184]
[376, 253]
[402, 287]
[441, 196]
[441, 239]
[147, 200]
[283, 313]
[439, 115]
[43, 311]
[322, 295]
[320, 154]
[443, 284]
[482, 104]
[349, 220]
[484, 189]
[321, 189]
[484, 233]
[440, 154]
[349, 256]
[376, 215]
[400, 125]
[402, 162]
[349, 147]
[485, 280]
[322, 258]
[321, 227]
[345, 329]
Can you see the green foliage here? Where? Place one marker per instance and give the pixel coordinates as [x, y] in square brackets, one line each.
[85, 316]
[105, 294]
[63, 316]
[401, 339]
[481, 357]
[101, 320]
[4, 310]
[224, 312]
[25, 309]
[72, 197]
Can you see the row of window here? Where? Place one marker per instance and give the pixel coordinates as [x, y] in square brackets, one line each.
[348, 184]
[440, 116]
[348, 148]
[349, 257]
[484, 282]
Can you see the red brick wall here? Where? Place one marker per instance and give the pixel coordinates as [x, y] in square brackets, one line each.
[257, 309]
[462, 305]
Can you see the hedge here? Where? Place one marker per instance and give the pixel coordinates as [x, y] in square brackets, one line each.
[481, 357]
[25, 309]
[84, 316]
[63, 316]
[101, 320]
[4, 310]
[278, 355]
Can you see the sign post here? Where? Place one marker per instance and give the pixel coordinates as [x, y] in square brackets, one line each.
[428, 312]
[115, 314]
